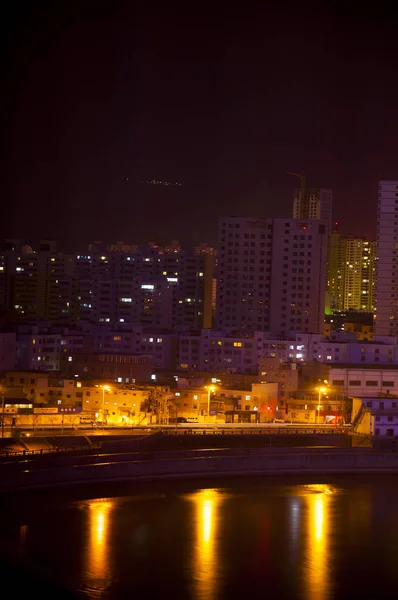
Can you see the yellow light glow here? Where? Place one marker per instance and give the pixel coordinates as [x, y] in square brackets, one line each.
[97, 550]
[207, 506]
[319, 517]
[207, 520]
[318, 551]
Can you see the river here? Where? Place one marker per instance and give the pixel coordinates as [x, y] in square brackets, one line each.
[245, 538]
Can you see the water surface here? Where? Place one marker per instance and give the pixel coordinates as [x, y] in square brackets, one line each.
[246, 539]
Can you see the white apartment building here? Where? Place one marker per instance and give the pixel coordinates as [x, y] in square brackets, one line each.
[386, 317]
[364, 382]
[272, 275]
[378, 416]
[212, 350]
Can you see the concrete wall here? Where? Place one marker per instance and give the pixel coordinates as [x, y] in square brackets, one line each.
[272, 464]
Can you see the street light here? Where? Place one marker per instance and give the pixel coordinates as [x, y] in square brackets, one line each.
[2, 411]
[104, 388]
[210, 390]
[320, 390]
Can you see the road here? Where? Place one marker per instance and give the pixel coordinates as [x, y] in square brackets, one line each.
[181, 427]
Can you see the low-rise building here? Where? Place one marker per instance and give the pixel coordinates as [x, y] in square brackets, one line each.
[114, 367]
[376, 416]
[362, 382]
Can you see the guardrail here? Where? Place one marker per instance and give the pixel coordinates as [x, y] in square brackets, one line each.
[8, 453]
[281, 463]
[269, 431]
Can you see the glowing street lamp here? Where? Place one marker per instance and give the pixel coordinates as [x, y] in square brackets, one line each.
[320, 390]
[105, 388]
[210, 390]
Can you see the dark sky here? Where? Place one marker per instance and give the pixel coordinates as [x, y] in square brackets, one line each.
[100, 97]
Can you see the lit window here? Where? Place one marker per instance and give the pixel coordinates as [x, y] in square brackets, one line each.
[238, 344]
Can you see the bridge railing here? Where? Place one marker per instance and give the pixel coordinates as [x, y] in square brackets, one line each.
[263, 431]
[42, 451]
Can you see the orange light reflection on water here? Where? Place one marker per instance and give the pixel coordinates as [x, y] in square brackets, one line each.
[97, 555]
[318, 516]
[206, 537]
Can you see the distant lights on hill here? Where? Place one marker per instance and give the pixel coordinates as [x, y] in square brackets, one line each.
[162, 183]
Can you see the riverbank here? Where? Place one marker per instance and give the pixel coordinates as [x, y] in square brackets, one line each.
[273, 463]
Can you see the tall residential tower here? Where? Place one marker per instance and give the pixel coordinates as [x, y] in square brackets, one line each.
[386, 317]
[316, 204]
[271, 275]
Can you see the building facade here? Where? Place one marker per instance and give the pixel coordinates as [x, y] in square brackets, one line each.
[271, 275]
[386, 316]
[316, 204]
[351, 273]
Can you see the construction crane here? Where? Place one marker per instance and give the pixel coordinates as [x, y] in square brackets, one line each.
[303, 196]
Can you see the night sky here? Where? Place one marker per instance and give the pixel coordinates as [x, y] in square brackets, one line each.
[101, 98]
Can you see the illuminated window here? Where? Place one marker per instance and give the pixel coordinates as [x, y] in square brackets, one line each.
[117, 338]
[238, 344]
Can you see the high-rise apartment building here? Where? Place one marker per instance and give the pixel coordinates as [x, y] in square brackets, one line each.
[316, 204]
[351, 273]
[149, 285]
[30, 281]
[156, 287]
[386, 316]
[271, 275]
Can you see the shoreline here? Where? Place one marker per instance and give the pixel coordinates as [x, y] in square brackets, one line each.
[274, 464]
